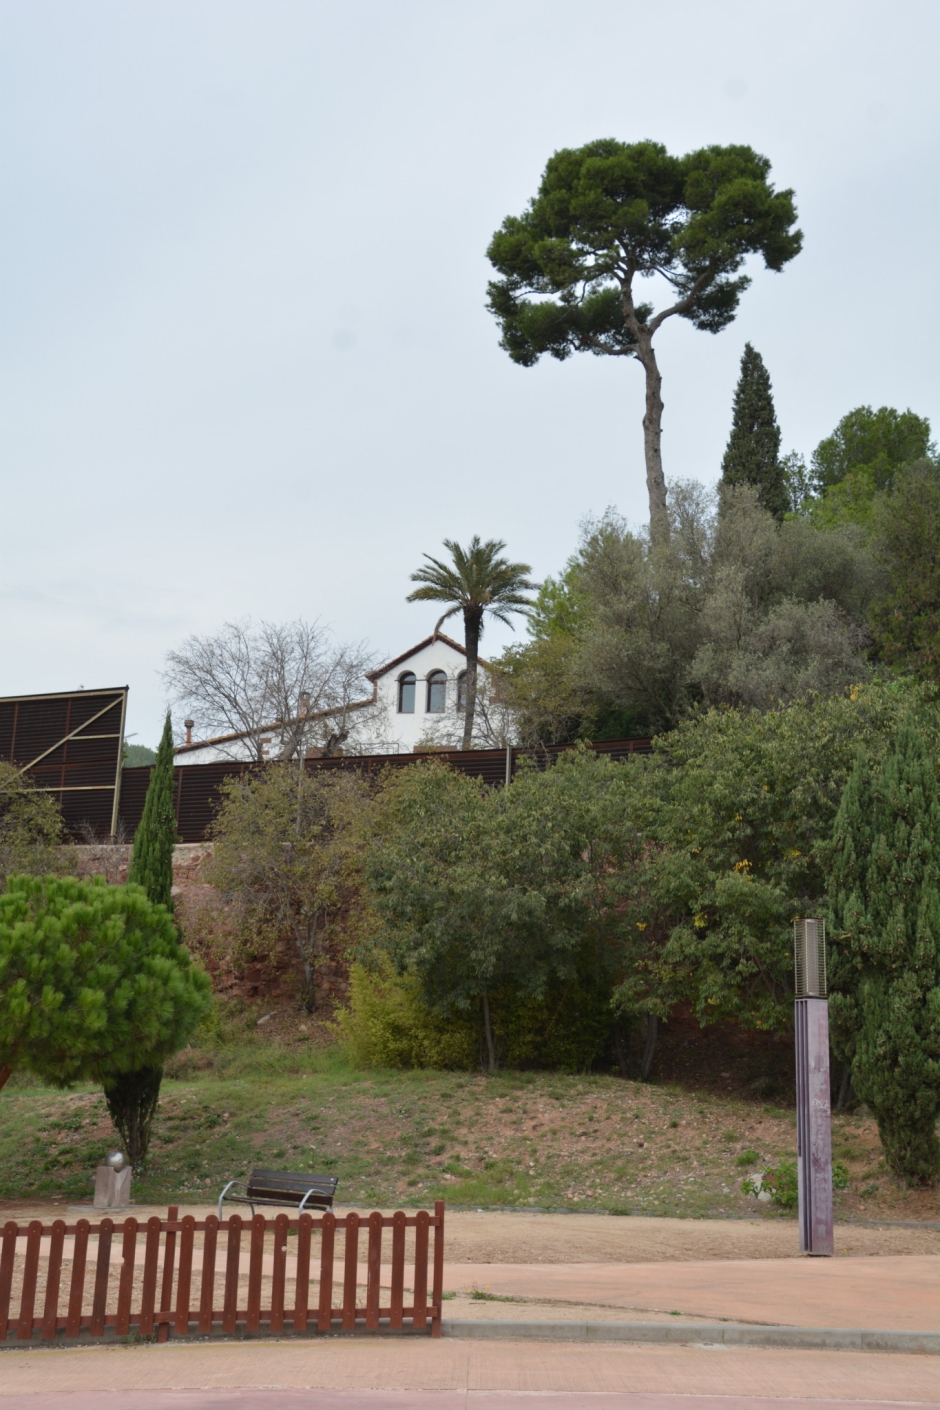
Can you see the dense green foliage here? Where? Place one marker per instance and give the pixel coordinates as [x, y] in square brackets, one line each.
[856, 468]
[906, 621]
[286, 854]
[482, 891]
[152, 858]
[876, 442]
[387, 1023]
[752, 456]
[732, 609]
[31, 829]
[736, 807]
[885, 945]
[633, 889]
[93, 980]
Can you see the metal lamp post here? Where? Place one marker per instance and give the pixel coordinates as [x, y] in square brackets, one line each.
[813, 1118]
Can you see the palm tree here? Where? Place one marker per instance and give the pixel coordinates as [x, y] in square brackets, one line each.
[476, 582]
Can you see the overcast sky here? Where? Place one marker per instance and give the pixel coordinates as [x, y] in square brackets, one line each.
[247, 365]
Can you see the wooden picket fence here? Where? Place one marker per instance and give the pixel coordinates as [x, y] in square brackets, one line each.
[82, 1280]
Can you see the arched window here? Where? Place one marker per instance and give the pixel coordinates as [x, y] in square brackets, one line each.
[462, 691]
[406, 693]
[437, 693]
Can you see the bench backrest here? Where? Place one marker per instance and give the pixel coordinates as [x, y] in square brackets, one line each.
[291, 1188]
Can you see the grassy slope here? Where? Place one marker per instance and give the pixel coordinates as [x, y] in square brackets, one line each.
[392, 1137]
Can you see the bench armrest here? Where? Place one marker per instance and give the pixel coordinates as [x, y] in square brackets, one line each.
[226, 1190]
[320, 1193]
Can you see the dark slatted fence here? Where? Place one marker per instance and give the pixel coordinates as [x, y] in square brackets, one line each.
[199, 1277]
[196, 786]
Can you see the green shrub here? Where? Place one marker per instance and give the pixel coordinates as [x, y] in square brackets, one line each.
[746, 1158]
[568, 1030]
[780, 1182]
[840, 1176]
[386, 1025]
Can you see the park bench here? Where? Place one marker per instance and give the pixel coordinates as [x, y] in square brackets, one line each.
[280, 1187]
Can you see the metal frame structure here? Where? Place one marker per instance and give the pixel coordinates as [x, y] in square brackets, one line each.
[36, 732]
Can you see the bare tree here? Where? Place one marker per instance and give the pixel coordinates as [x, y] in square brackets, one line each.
[289, 685]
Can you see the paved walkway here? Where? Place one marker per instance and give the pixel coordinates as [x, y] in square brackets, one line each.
[898, 1294]
[208, 1375]
[424, 1400]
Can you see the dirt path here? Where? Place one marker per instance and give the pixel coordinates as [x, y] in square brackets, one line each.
[518, 1236]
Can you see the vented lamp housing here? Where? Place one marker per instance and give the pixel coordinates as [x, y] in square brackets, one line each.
[809, 954]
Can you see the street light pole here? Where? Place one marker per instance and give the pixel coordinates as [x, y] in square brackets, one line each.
[813, 1117]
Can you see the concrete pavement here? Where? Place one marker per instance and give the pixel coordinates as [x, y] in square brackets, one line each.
[222, 1374]
[900, 1294]
[423, 1400]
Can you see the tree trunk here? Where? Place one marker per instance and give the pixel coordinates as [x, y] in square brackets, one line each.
[132, 1102]
[472, 622]
[5, 1074]
[488, 1031]
[306, 947]
[649, 1047]
[846, 1093]
[310, 995]
[622, 1048]
[652, 435]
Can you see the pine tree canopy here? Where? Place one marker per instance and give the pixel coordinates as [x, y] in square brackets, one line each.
[152, 858]
[752, 456]
[884, 897]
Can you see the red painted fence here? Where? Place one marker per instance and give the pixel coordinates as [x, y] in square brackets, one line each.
[231, 1276]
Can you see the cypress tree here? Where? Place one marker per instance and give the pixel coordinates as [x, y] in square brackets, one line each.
[752, 456]
[884, 912]
[132, 1095]
[152, 858]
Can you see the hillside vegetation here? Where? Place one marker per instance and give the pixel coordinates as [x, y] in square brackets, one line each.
[516, 1139]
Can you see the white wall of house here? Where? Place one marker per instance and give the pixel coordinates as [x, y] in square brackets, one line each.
[433, 717]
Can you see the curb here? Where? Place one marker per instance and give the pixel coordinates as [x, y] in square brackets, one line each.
[698, 1334]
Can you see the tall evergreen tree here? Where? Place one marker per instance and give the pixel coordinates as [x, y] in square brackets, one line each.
[152, 858]
[752, 456]
[884, 898]
[132, 1096]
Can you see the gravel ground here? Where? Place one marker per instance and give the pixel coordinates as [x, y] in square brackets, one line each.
[519, 1236]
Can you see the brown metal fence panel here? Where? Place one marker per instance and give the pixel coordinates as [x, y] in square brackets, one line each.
[69, 745]
[197, 787]
[250, 1292]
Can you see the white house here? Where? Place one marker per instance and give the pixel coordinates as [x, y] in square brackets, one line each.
[421, 696]
[417, 700]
